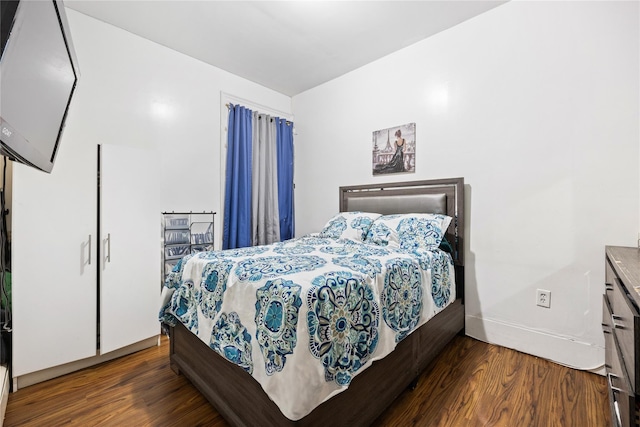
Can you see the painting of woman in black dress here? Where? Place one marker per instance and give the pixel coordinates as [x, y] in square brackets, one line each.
[397, 158]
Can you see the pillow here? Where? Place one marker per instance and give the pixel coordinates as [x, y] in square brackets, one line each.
[409, 231]
[446, 246]
[349, 225]
[382, 231]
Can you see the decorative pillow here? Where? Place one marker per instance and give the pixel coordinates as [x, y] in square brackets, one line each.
[409, 231]
[446, 246]
[382, 231]
[349, 225]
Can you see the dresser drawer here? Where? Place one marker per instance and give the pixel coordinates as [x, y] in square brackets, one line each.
[625, 324]
[621, 397]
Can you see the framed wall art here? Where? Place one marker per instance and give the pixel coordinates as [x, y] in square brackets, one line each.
[394, 149]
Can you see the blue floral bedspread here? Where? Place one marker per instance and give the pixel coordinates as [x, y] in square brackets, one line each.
[305, 316]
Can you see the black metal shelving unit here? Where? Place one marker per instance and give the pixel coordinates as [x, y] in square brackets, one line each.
[184, 233]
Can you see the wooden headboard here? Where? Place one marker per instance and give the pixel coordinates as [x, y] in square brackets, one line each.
[443, 196]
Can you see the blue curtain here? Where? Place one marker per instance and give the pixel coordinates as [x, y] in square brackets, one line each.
[284, 138]
[237, 193]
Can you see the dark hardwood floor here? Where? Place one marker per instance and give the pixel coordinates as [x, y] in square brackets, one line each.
[471, 384]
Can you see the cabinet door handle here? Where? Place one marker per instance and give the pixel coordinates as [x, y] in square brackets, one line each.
[616, 325]
[107, 252]
[608, 287]
[85, 260]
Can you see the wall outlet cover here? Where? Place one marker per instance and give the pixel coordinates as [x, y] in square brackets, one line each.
[543, 298]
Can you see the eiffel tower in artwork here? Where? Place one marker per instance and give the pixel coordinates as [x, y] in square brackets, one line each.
[388, 147]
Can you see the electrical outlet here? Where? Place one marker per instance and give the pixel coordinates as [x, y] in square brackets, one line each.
[543, 298]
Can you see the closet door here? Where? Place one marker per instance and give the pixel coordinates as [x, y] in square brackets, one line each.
[129, 246]
[54, 259]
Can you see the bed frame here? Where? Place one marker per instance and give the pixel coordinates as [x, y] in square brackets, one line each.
[241, 400]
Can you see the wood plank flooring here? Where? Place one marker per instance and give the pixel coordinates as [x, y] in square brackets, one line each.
[471, 384]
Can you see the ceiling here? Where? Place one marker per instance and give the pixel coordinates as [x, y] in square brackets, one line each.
[288, 46]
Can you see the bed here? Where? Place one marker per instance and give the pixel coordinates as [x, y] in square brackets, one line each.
[354, 391]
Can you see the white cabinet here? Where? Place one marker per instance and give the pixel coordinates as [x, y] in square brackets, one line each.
[72, 297]
[53, 239]
[130, 234]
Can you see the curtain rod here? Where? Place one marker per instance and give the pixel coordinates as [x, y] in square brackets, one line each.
[229, 105]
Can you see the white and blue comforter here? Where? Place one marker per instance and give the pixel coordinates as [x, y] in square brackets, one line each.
[305, 316]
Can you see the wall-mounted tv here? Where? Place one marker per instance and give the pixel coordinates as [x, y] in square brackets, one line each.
[38, 75]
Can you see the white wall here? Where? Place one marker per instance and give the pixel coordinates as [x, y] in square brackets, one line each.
[536, 105]
[138, 93]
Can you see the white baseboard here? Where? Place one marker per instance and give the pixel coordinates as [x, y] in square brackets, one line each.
[4, 392]
[559, 349]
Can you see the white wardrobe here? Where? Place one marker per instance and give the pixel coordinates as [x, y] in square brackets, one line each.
[85, 263]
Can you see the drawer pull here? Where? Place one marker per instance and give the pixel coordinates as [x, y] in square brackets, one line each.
[616, 325]
[610, 377]
[608, 287]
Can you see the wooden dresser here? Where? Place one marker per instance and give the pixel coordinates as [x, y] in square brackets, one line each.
[621, 327]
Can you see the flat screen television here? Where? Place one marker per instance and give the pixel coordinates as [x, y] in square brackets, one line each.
[38, 76]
